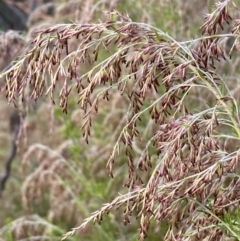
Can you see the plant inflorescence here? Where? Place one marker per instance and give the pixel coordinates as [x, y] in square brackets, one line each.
[179, 168]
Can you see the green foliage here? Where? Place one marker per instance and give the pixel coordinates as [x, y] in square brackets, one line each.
[232, 219]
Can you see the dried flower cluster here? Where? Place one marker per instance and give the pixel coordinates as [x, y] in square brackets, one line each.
[51, 172]
[188, 171]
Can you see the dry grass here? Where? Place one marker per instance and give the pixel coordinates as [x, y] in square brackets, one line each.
[168, 114]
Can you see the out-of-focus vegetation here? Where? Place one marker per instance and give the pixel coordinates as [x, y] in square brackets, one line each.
[58, 180]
